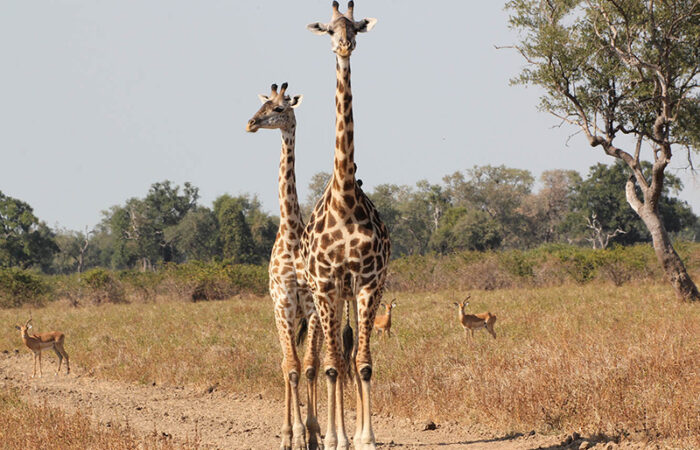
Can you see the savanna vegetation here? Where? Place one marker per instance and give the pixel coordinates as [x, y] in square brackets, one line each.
[589, 337]
[590, 356]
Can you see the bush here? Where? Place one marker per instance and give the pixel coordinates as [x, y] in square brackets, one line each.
[18, 287]
[548, 265]
[197, 281]
[100, 286]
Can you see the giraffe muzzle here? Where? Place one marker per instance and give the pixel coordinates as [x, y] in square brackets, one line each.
[252, 126]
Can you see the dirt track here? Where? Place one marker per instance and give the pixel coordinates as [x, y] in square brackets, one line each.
[221, 420]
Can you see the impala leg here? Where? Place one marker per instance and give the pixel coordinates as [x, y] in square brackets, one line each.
[60, 359]
[34, 372]
[41, 373]
[65, 355]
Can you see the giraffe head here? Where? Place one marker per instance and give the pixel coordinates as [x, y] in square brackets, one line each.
[277, 111]
[342, 28]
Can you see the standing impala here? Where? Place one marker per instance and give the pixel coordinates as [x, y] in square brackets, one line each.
[383, 323]
[473, 322]
[43, 341]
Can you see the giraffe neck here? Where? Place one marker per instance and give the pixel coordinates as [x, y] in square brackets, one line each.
[289, 203]
[343, 185]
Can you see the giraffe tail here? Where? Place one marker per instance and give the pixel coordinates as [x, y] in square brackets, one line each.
[302, 330]
[302, 327]
[348, 339]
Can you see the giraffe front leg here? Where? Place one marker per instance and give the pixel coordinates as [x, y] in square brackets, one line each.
[331, 315]
[368, 301]
[293, 435]
[286, 431]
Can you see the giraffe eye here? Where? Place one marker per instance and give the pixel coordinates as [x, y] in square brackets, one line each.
[278, 109]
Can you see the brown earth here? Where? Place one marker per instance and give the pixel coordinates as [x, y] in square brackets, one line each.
[216, 419]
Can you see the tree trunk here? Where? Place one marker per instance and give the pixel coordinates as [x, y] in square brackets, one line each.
[667, 256]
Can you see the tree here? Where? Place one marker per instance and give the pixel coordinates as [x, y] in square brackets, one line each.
[498, 191]
[547, 210]
[316, 187]
[73, 246]
[616, 68]
[140, 226]
[600, 206]
[236, 239]
[24, 240]
[463, 229]
[196, 236]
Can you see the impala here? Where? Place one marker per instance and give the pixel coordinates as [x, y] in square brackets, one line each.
[42, 341]
[473, 322]
[383, 323]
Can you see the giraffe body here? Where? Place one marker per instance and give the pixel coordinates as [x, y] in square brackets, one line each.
[346, 250]
[290, 294]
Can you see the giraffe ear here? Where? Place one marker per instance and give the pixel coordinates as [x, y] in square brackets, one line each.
[318, 28]
[263, 98]
[365, 25]
[296, 101]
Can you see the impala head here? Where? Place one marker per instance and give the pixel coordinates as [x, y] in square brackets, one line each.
[463, 304]
[277, 111]
[24, 328]
[390, 306]
[342, 29]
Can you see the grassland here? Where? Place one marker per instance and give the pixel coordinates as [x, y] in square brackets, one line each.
[24, 426]
[594, 358]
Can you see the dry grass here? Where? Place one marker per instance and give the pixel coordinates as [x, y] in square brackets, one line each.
[594, 358]
[28, 427]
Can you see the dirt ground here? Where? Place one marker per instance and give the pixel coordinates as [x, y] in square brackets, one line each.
[235, 421]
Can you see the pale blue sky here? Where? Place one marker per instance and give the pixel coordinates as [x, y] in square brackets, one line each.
[100, 99]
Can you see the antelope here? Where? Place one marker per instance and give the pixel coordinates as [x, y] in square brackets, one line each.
[473, 322]
[43, 341]
[383, 323]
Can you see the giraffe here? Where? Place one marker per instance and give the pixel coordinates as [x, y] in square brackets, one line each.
[290, 293]
[346, 248]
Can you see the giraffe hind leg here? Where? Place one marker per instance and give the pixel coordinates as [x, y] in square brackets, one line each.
[311, 367]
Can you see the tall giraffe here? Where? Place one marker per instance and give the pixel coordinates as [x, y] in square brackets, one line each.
[346, 249]
[290, 293]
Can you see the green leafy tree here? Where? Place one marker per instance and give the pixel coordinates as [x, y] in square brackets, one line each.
[141, 225]
[498, 191]
[236, 239]
[463, 229]
[24, 240]
[73, 246]
[196, 236]
[601, 195]
[615, 68]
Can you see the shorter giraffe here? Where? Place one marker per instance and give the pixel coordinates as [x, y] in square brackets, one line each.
[291, 296]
